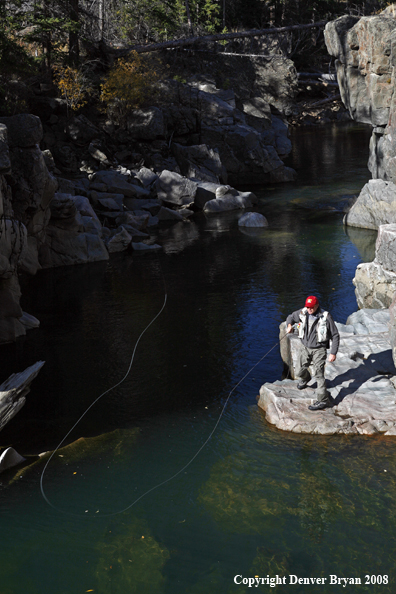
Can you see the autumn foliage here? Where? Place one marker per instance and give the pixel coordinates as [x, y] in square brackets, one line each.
[129, 84]
[73, 86]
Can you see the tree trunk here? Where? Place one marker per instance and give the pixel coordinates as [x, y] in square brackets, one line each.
[190, 27]
[74, 49]
[101, 19]
[217, 37]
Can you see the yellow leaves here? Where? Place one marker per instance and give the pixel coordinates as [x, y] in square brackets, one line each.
[72, 85]
[129, 84]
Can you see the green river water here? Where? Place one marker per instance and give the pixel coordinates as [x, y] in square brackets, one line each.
[255, 501]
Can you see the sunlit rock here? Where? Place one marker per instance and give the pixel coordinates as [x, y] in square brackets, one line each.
[14, 390]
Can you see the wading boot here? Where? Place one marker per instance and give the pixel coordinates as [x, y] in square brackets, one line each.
[320, 404]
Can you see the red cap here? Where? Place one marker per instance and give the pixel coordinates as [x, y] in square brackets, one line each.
[311, 301]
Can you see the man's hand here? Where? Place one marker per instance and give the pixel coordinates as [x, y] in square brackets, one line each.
[332, 358]
[289, 329]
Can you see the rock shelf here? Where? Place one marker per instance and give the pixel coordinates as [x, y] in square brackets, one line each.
[361, 382]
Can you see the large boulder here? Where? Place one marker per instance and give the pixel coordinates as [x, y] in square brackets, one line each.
[375, 281]
[67, 240]
[24, 130]
[13, 394]
[176, 189]
[81, 130]
[374, 286]
[231, 200]
[200, 162]
[146, 124]
[375, 206]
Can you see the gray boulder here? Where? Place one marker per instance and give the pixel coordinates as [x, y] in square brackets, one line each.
[374, 286]
[119, 186]
[199, 162]
[369, 321]
[13, 394]
[81, 130]
[205, 191]
[146, 124]
[119, 241]
[230, 202]
[10, 458]
[63, 248]
[385, 252]
[253, 219]
[24, 130]
[375, 281]
[66, 240]
[375, 206]
[176, 189]
[146, 176]
[167, 214]
[109, 204]
[258, 113]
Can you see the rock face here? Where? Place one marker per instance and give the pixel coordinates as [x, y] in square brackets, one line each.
[375, 281]
[365, 53]
[359, 382]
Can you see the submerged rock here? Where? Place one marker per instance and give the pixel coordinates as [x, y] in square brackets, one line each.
[253, 219]
[359, 381]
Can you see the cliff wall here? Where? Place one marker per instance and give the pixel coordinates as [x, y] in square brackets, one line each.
[365, 52]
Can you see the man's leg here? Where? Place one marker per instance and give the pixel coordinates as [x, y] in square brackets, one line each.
[319, 362]
[304, 362]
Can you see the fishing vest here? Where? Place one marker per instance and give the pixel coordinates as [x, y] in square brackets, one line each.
[321, 327]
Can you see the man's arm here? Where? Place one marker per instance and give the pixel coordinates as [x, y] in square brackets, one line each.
[292, 319]
[335, 338]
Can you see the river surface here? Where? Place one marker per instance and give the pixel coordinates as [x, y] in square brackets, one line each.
[255, 501]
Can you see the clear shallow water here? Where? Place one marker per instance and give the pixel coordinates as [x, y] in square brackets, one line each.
[256, 501]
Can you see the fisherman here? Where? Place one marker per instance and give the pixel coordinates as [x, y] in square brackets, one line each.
[316, 328]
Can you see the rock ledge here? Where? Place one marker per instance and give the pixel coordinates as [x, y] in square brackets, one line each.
[361, 383]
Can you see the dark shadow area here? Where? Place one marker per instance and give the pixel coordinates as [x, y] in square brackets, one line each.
[376, 364]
